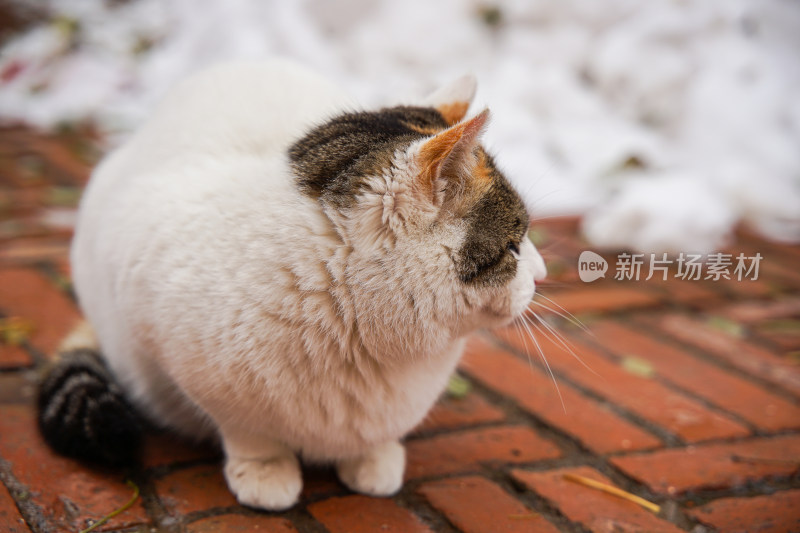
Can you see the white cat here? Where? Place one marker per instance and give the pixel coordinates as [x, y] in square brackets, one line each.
[264, 264]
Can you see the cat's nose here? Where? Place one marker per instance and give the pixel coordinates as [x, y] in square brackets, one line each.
[539, 268]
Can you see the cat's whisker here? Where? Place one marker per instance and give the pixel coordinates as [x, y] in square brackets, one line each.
[544, 359]
[560, 339]
[553, 333]
[518, 324]
[549, 309]
[563, 313]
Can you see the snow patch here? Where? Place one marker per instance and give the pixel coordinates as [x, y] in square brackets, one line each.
[664, 122]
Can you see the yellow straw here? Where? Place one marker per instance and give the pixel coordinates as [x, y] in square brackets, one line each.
[613, 490]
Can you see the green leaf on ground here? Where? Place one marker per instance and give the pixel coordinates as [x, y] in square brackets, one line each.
[64, 283]
[458, 387]
[14, 330]
[63, 196]
[793, 357]
[782, 326]
[638, 367]
[726, 325]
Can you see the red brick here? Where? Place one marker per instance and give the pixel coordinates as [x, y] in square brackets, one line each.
[783, 334]
[467, 450]
[786, 252]
[783, 274]
[776, 513]
[594, 509]
[737, 352]
[29, 295]
[194, 489]
[361, 514]
[592, 424]
[786, 341]
[645, 397]
[683, 291]
[25, 252]
[476, 505]
[20, 227]
[14, 357]
[63, 267]
[772, 268]
[594, 299]
[236, 523]
[566, 226]
[162, 449]
[734, 394]
[21, 202]
[63, 165]
[10, 519]
[747, 288]
[68, 493]
[560, 239]
[451, 413]
[17, 387]
[751, 312]
[712, 466]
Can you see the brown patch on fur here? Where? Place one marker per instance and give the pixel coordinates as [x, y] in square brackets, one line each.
[483, 174]
[333, 159]
[424, 130]
[476, 185]
[496, 220]
[453, 112]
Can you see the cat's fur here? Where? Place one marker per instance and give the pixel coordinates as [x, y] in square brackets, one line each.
[262, 264]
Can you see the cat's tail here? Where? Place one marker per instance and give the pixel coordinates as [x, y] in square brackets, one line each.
[82, 410]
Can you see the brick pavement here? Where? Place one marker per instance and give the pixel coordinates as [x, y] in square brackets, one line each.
[686, 393]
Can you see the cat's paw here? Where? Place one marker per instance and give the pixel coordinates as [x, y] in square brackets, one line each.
[377, 473]
[272, 484]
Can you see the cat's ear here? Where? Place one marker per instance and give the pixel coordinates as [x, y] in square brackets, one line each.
[448, 158]
[453, 100]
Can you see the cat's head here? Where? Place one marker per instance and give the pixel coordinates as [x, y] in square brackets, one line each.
[436, 234]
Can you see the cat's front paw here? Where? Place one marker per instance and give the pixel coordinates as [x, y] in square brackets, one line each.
[273, 484]
[377, 473]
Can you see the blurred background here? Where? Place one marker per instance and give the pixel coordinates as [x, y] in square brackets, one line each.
[663, 124]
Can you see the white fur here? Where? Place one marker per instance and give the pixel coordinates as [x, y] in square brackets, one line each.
[228, 303]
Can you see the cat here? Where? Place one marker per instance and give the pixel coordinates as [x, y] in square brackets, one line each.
[265, 265]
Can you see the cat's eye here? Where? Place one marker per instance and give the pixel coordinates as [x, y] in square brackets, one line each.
[513, 247]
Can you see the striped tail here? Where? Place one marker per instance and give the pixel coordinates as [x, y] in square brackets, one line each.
[83, 413]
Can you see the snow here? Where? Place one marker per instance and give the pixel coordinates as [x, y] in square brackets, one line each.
[664, 123]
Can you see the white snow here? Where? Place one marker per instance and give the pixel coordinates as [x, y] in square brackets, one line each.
[664, 122]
